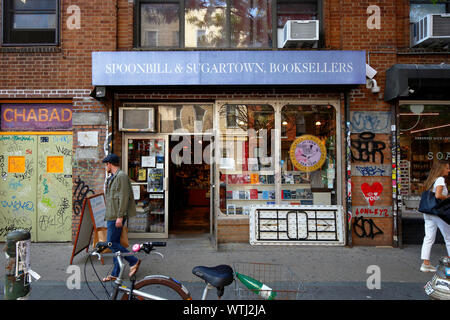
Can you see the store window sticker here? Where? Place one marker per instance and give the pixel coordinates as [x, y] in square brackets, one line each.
[16, 164]
[55, 164]
[308, 153]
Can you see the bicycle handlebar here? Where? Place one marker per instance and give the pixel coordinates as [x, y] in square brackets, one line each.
[100, 246]
[147, 247]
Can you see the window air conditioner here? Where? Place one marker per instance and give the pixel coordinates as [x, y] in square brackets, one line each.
[432, 30]
[300, 33]
[137, 119]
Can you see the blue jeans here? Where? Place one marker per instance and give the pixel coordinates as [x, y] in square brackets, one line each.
[113, 236]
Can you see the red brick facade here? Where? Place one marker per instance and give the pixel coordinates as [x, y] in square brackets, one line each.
[64, 72]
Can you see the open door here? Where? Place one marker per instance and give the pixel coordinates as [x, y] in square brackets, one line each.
[146, 162]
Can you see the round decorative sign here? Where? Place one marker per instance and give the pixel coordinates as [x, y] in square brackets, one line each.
[308, 153]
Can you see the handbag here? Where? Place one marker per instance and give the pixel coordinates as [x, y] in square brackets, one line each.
[443, 209]
[100, 236]
[429, 203]
[124, 237]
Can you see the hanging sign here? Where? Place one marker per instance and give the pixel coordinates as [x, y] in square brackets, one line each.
[308, 153]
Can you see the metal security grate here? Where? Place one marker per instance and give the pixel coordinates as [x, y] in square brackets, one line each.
[441, 26]
[296, 225]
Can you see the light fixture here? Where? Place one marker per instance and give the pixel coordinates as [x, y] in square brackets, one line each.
[100, 92]
[417, 108]
[372, 85]
[318, 123]
[284, 123]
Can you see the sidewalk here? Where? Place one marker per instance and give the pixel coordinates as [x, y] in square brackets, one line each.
[326, 272]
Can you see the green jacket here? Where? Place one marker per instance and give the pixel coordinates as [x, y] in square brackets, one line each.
[119, 197]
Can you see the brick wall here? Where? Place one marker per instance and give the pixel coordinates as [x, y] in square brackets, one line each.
[68, 65]
[88, 172]
[64, 71]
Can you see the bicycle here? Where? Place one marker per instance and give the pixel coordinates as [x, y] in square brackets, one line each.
[160, 287]
[218, 277]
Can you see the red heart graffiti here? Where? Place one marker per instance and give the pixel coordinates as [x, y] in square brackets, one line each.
[372, 192]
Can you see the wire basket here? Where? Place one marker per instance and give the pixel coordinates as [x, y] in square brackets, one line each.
[279, 278]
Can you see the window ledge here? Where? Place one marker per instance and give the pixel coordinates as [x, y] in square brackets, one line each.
[433, 50]
[31, 49]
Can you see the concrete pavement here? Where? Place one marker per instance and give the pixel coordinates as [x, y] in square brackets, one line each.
[327, 272]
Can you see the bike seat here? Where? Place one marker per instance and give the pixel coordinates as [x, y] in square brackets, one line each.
[219, 276]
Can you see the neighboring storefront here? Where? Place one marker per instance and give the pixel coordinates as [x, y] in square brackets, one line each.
[424, 138]
[420, 95]
[202, 155]
[36, 169]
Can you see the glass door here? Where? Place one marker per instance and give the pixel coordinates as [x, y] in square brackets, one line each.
[146, 162]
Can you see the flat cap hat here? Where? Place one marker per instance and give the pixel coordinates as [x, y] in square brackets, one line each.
[111, 158]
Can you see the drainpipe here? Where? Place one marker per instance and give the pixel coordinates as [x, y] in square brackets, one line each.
[347, 169]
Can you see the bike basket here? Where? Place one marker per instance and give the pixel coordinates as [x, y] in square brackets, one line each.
[282, 283]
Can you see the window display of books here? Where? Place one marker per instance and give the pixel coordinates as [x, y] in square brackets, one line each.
[248, 188]
[140, 222]
[297, 196]
[245, 189]
[148, 214]
[295, 178]
[295, 188]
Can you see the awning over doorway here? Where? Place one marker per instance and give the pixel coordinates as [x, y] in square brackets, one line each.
[417, 81]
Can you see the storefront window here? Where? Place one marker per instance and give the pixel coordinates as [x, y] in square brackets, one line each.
[308, 155]
[424, 138]
[246, 165]
[185, 118]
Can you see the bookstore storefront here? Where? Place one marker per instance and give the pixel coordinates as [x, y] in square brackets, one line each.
[205, 159]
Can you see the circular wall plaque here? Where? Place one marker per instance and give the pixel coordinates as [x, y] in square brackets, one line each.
[308, 153]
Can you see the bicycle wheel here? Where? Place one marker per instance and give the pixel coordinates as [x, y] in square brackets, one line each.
[161, 286]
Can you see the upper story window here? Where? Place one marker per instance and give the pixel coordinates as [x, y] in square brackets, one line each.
[217, 23]
[160, 24]
[418, 9]
[30, 22]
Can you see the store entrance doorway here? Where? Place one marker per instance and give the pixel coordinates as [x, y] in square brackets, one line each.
[189, 185]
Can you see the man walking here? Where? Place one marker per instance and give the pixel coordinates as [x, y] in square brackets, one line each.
[119, 206]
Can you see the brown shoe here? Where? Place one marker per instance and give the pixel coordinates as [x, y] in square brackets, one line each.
[109, 278]
[134, 268]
